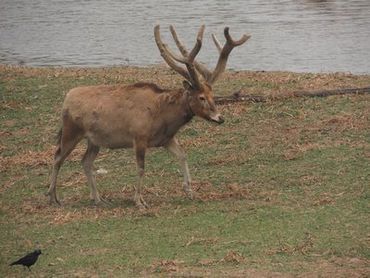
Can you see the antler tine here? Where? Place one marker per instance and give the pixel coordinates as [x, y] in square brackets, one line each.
[174, 56]
[229, 39]
[203, 70]
[182, 48]
[188, 59]
[197, 45]
[224, 53]
[167, 55]
[191, 74]
[217, 43]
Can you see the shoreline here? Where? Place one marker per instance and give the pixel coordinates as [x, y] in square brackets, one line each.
[269, 83]
[165, 66]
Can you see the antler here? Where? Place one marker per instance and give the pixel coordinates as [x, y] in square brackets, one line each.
[200, 68]
[209, 76]
[187, 59]
[224, 53]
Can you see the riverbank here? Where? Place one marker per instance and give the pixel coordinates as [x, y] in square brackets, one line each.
[253, 82]
[281, 187]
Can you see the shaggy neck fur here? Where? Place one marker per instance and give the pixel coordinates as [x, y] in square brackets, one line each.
[175, 112]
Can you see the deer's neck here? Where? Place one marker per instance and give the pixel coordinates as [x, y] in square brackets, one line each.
[176, 105]
[187, 113]
[174, 113]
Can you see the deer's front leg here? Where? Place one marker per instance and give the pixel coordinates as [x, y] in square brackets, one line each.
[174, 148]
[140, 148]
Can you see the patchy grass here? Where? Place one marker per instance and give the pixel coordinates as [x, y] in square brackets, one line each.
[282, 188]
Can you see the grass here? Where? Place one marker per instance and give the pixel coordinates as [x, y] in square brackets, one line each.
[282, 188]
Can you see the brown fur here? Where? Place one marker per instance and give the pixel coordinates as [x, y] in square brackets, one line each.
[151, 86]
[141, 116]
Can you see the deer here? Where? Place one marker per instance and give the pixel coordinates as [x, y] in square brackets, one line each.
[141, 115]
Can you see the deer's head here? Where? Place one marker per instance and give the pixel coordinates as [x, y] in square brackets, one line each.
[198, 79]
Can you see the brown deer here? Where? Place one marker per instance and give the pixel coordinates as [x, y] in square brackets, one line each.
[141, 115]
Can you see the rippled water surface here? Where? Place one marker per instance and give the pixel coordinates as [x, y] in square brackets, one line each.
[294, 35]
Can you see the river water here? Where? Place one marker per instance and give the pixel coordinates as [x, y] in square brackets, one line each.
[291, 35]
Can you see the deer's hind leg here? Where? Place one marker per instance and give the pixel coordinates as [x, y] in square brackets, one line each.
[68, 138]
[88, 163]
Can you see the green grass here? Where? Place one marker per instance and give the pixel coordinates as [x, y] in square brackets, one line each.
[281, 187]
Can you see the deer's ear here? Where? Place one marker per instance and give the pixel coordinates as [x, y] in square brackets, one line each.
[187, 86]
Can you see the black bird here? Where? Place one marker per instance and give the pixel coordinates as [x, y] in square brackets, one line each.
[29, 259]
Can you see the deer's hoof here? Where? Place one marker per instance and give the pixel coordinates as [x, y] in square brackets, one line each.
[102, 203]
[189, 193]
[53, 201]
[141, 204]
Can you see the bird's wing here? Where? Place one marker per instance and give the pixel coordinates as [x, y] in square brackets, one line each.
[24, 259]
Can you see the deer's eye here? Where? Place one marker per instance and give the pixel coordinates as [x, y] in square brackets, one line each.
[202, 98]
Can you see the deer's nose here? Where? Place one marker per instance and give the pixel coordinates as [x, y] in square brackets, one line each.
[217, 118]
[220, 119]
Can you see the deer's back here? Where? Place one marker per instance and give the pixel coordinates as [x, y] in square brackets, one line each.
[112, 116]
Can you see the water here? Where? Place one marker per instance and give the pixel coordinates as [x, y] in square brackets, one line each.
[292, 35]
